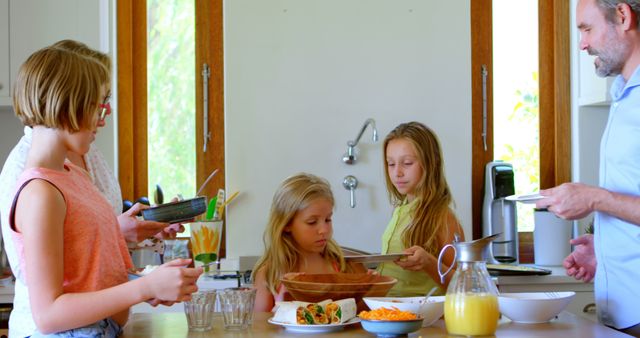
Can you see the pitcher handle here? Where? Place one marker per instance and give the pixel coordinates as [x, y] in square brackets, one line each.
[442, 274]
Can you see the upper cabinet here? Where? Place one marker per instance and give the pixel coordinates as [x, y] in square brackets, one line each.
[4, 53]
[34, 24]
[592, 89]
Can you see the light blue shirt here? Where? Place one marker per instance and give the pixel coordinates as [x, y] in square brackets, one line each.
[617, 242]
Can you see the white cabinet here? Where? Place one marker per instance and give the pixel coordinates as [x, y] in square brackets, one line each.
[5, 88]
[34, 24]
[583, 304]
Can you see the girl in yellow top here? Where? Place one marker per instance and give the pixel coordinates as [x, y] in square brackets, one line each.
[423, 221]
[298, 238]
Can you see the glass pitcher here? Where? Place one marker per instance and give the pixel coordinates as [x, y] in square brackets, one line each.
[471, 302]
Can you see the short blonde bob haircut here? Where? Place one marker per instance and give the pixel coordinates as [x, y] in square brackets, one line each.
[82, 49]
[282, 254]
[59, 88]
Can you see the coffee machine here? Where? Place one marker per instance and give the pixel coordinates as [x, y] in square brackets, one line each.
[499, 214]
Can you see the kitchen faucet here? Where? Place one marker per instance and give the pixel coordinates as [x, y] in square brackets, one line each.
[350, 156]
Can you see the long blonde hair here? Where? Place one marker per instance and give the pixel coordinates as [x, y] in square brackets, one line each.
[282, 254]
[433, 196]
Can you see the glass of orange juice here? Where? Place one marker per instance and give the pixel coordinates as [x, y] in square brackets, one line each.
[205, 242]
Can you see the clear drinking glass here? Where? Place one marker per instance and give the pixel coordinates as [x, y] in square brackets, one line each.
[237, 307]
[199, 310]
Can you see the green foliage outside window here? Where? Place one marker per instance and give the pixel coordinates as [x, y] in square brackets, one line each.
[524, 152]
[171, 96]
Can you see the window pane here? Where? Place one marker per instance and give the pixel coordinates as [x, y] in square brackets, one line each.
[515, 96]
[171, 97]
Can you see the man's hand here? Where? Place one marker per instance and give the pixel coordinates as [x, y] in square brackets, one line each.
[581, 263]
[135, 230]
[570, 200]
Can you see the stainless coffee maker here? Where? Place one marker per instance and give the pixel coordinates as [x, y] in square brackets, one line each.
[499, 214]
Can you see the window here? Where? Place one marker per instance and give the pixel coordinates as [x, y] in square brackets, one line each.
[171, 96]
[133, 98]
[553, 103]
[515, 96]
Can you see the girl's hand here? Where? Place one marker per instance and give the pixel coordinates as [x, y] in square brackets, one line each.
[418, 260]
[155, 302]
[171, 282]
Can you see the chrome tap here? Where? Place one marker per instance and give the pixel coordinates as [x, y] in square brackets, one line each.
[350, 156]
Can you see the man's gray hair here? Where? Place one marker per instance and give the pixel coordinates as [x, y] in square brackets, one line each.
[609, 8]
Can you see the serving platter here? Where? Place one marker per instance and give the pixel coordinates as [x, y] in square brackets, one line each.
[375, 258]
[316, 328]
[515, 270]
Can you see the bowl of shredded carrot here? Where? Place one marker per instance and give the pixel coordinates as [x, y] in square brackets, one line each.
[430, 310]
[390, 322]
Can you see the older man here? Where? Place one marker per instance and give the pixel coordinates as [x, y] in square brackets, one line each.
[609, 30]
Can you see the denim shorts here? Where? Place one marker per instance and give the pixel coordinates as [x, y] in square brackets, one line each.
[106, 328]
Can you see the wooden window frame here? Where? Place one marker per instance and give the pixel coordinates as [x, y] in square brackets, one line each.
[132, 97]
[554, 101]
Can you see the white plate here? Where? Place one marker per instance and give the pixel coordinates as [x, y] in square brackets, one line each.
[528, 198]
[314, 328]
[374, 258]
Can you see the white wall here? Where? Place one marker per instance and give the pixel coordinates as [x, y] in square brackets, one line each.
[302, 76]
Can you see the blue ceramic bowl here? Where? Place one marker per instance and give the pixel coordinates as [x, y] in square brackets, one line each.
[391, 328]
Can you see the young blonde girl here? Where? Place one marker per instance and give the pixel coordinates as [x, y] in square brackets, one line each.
[423, 221]
[298, 238]
[66, 234]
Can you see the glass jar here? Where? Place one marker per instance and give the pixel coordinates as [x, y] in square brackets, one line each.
[471, 301]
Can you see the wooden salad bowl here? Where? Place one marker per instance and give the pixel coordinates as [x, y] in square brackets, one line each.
[318, 287]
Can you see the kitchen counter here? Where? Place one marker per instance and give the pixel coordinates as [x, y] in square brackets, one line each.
[175, 325]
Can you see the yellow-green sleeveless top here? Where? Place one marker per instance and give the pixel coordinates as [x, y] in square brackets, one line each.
[410, 283]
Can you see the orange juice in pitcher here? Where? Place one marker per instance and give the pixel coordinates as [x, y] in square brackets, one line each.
[471, 302]
[471, 314]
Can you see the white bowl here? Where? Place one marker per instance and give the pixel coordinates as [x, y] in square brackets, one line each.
[534, 307]
[431, 311]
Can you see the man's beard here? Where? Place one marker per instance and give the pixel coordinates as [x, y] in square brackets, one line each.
[612, 55]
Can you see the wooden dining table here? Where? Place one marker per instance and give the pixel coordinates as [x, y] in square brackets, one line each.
[566, 325]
